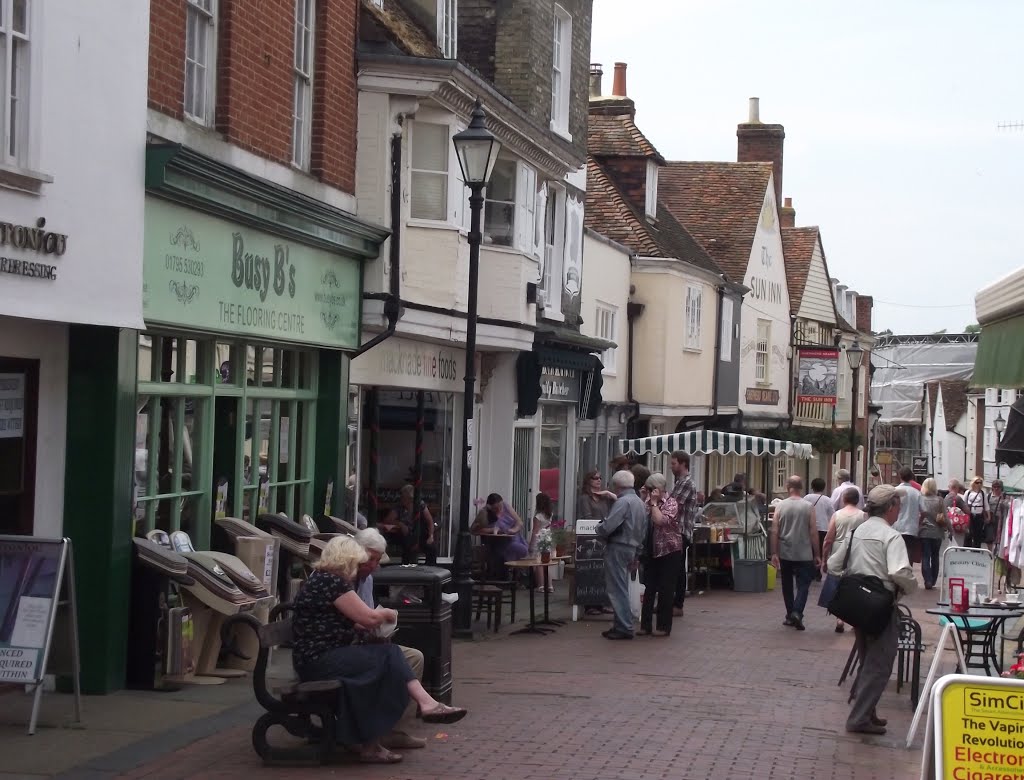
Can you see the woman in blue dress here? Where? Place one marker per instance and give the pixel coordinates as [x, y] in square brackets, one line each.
[500, 521]
[334, 638]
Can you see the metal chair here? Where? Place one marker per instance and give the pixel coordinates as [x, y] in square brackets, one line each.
[908, 658]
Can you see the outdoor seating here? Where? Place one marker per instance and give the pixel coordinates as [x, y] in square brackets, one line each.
[292, 705]
[908, 658]
[1015, 639]
[487, 571]
[489, 596]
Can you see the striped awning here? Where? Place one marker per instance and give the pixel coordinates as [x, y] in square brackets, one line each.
[707, 442]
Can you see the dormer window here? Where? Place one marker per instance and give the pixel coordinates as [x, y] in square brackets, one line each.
[447, 28]
[651, 199]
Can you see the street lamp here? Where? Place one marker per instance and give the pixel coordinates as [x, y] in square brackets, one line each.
[477, 150]
[854, 355]
[1000, 425]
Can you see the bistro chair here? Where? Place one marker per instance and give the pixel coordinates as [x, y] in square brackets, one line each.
[908, 657]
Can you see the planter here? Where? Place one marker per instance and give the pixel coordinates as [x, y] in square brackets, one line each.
[545, 556]
[561, 549]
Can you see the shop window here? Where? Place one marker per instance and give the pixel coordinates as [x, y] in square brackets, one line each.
[200, 59]
[430, 143]
[302, 97]
[212, 413]
[14, 72]
[694, 306]
[553, 439]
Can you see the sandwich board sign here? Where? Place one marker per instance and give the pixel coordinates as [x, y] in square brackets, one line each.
[590, 587]
[36, 581]
[974, 565]
[977, 728]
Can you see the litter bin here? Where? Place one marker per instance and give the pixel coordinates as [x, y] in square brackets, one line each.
[424, 619]
[750, 576]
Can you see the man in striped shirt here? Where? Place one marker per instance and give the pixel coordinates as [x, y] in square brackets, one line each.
[685, 494]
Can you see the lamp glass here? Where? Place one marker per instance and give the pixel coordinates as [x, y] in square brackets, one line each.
[477, 149]
[999, 424]
[855, 355]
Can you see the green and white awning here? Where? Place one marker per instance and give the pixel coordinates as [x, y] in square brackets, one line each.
[707, 442]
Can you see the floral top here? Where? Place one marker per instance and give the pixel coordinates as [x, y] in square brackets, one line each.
[318, 626]
[668, 537]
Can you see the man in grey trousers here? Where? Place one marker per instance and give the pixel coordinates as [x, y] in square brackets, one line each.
[623, 532]
[876, 549]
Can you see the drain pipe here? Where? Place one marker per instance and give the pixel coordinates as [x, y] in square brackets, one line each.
[393, 298]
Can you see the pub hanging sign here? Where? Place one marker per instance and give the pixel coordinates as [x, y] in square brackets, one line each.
[44, 244]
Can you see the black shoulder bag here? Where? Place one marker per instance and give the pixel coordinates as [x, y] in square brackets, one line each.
[862, 600]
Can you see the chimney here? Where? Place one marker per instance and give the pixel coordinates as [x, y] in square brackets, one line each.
[619, 80]
[596, 76]
[865, 305]
[787, 214]
[758, 142]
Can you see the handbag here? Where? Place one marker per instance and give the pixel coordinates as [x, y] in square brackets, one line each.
[861, 600]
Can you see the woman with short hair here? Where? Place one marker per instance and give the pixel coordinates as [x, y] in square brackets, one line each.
[662, 558]
[333, 631]
[842, 523]
[932, 531]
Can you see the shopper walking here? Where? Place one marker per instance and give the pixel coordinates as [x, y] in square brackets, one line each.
[662, 558]
[999, 504]
[796, 550]
[876, 550]
[685, 494]
[954, 499]
[933, 530]
[823, 511]
[843, 478]
[977, 507]
[623, 532]
[839, 527]
[909, 521]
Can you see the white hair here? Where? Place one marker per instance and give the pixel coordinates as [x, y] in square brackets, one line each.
[371, 539]
[656, 482]
[342, 555]
[623, 479]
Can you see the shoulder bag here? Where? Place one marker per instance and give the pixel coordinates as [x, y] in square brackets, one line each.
[861, 600]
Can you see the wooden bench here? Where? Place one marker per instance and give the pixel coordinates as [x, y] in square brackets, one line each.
[307, 710]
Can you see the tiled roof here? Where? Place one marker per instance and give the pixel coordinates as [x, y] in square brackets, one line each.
[402, 30]
[798, 250]
[617, 135]
[954, 399]
[719, 203]
[611, 214]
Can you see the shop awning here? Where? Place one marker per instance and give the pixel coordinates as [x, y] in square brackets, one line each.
[1011, 446]
[1000, 358]
[707, 442]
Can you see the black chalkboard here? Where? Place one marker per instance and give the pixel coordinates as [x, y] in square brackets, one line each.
[590, 589]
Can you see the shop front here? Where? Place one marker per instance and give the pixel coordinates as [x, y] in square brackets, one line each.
[405, 423]
[251, 295]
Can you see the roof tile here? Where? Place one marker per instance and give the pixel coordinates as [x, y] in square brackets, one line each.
[402, 30]
[798, 251]
[616, 135]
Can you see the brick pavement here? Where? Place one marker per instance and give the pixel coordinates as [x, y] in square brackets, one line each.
[732, 693]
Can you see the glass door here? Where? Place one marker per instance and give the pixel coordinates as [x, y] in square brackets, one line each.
[19, 400]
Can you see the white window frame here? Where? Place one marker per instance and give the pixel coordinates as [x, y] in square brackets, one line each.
[781, 473]
[17, 70]
[554, 249]
[302, 91]
[488, 237]
[651, 190]
[448, 28]
[561, 67]
[990, 449]
[201, 13]
[763, 352]
[606, 327]
[726, 337]
[445, 172]
[694, 315]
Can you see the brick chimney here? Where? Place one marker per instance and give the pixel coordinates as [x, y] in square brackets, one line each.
[787, 214]
[596, 77]
[619, 80]
[865, 305]
[758, 142]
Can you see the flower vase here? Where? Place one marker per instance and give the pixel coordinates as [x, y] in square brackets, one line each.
[560, 549]
[545, 556]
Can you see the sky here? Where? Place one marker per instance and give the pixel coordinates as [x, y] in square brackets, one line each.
[891, 109]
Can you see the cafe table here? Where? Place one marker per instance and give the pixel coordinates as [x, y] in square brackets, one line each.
[979, 629]
[536, 626]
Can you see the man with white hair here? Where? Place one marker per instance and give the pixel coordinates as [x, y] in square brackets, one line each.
[623, 532]
[843, 478]
[376, 546]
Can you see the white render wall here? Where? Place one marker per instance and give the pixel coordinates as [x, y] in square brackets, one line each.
[606, 279]
[87, 125]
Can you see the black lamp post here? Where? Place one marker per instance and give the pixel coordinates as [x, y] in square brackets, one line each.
[477, 151]
[1000, 425]
[855, 355]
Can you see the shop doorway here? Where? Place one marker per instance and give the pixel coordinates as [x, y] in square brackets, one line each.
[522, 473]
[19, 408]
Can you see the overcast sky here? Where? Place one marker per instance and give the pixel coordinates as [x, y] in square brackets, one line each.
[891, 110]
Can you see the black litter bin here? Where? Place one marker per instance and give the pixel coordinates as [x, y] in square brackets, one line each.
[424, 619]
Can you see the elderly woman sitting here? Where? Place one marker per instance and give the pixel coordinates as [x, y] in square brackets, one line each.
[334, 639]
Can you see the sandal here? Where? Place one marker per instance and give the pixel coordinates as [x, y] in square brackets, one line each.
[380, 756]
[442, 713]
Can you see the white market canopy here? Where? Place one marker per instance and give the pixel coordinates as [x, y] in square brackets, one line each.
[707, 442]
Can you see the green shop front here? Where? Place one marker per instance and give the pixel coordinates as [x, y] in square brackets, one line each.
[251, 300]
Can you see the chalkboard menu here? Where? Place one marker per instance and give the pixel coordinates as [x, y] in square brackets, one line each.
[590, 589]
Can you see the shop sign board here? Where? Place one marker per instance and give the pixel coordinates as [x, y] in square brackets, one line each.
[590, 586]
[762, 395]
[973, 565]
[977, 729]
[419, 365]
[206, 273]
[560, 384]
[819, 369]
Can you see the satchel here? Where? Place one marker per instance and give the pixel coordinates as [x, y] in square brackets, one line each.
[862, 600]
